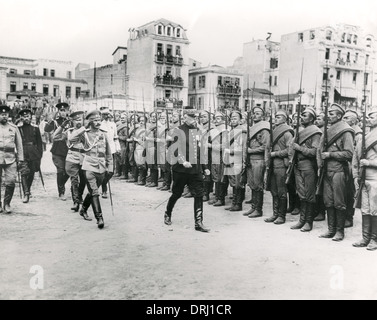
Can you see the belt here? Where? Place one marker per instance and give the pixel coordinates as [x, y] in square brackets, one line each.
[77, 150]
[7, 149]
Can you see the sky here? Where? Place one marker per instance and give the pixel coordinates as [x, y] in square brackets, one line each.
[89, 31]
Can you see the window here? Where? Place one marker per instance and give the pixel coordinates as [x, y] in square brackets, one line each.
[177, 50]
[68, 92]
[160, 50]
[52, 73]
[45, 72]
[202, 82]
[111, 79]
[356, 57]
[343, 39]
[348, 57]
[192, 101]
[219, 80]
[324, 75]
[366, 79]
[34, 87]
[167, 94]
[367, 59]
[349, 38]
[145, 31]
[45, 89]
[327, 55]
[273, 63]
[26, 86]
[194, 83]
[276, 81]
[159, 29]
[338, 75]
[13, 86]
[13, 71]
[78, 92]
[328, 35]
[339, 54]
[169, 50]
[270, 81]
[56, 91]
[200, 102]
[27, 72]
[312, 35]
[178, 72]
[369, 42]
[300, 37]
[168, 32]
[159, 70]
[69, 75]
[355, 39]
[354, 78]
[178, 33]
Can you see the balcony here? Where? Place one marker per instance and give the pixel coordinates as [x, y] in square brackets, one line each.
[169, 103]
[168, 59]
[229, 90]
[168, 80]
[344, 64]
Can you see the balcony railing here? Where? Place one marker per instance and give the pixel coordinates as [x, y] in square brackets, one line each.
[344, 64]
[163, 103]
[168, 59]
[229, 90]
[168, 81]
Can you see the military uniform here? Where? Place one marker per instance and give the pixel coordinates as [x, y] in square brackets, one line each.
[59, 151]
[11, 150]
[151, 136]
[130, 157]
[122, 160]
[73, 162]
[218, 138]
[282, 137]
[259, 137]
[305, 171]
[340, 148]
[33, 152]
[369, 187]
[97, 161]
[235, 164]
[139, 154]
[187, 139]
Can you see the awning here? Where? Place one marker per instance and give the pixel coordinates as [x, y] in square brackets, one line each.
[347, 94]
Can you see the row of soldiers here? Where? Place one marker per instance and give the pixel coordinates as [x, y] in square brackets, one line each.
[235, 153]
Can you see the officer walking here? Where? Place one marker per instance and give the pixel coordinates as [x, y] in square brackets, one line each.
[11, 151]
[33, 151]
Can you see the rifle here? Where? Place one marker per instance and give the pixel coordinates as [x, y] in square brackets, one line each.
[18, 176]
[111, 198]
[248, 138]
[293, 160]
[269, 169]
[357, 202]
[325, 142]
[41, 176]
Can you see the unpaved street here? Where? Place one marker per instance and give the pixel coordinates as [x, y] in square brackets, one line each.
[137, 257]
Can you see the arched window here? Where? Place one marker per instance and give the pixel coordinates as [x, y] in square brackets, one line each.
[369, 42]
[328, 35]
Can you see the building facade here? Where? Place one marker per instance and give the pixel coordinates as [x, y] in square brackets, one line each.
[338, 64]
[157, 71]
[215, 88]
[51, 78]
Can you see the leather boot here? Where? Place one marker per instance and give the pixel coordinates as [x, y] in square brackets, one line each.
[309, 216]
[234, 201]
[253, 201]
[321, 210]
[217, 193]
[206, 191]
[372, 246]
[331, 222]
[258, 205]
[198, 215]
[222, 191]
[340, 221]
[134, 175]
[96, 205]
[366, 232]
[26, 189]
[85, 206]
[282, 211]
[275, 208]
[169, 209]
[301, 222]
[297, 206]
[238, 201]
[9, 191]
[292, 201]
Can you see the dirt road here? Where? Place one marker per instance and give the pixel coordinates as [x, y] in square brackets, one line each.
[137, 257]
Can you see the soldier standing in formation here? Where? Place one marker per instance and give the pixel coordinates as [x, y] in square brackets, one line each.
[335, 157]
[11, 152]
[369, 186]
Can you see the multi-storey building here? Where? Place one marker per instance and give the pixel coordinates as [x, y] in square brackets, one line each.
[338, 63]
[51, 78]
[215, 88]
[157, 65]
[260, 64]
